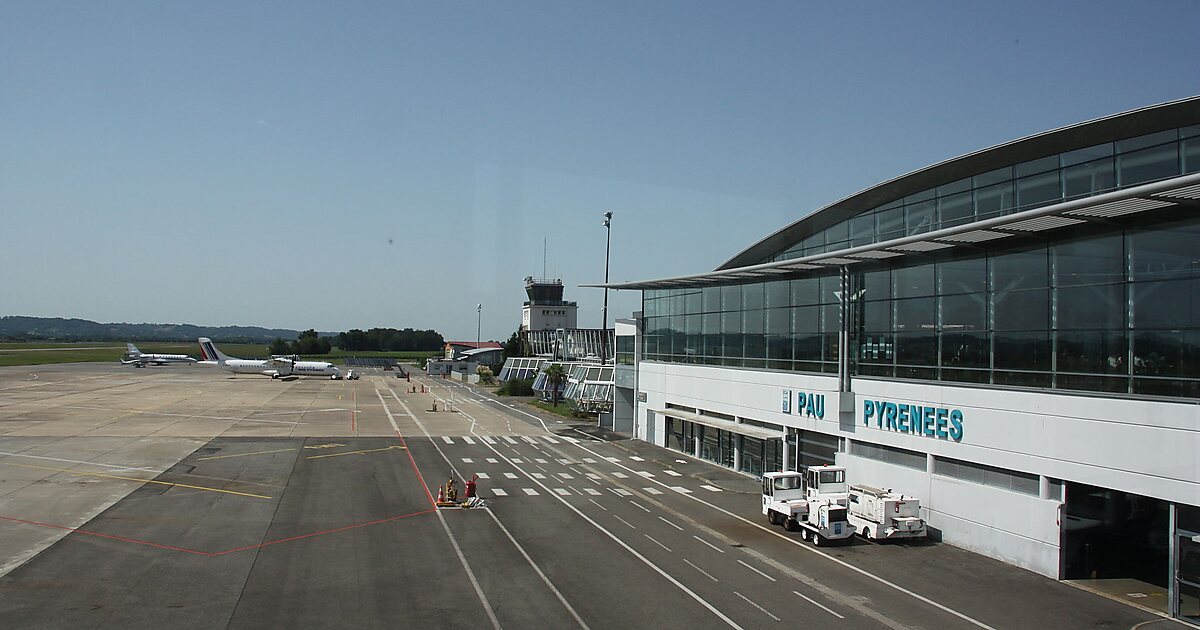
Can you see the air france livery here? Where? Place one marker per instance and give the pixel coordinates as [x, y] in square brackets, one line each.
[133, 356]
[275, 367]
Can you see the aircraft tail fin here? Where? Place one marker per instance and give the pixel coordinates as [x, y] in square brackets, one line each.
[209, 351]
[132, 349]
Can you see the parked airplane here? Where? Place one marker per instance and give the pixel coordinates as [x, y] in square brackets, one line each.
[133, 356]
[275, 367]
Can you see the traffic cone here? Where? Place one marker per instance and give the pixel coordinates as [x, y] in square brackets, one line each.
[441, 495]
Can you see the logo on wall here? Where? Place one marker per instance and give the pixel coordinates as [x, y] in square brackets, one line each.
[787, 401]
[811, 405]
[934, 422]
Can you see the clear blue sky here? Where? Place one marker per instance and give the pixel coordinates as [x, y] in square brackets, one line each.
[248, 162]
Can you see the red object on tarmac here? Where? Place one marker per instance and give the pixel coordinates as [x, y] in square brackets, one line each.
[441, 495]
[471, 486]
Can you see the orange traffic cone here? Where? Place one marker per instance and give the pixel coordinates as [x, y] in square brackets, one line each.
[441, 495]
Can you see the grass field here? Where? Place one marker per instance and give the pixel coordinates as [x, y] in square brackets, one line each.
[42, 353]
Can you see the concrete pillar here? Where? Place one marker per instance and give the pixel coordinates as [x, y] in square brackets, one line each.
[929, 463]
[737, 452]
[1044, 488]
[787, 450]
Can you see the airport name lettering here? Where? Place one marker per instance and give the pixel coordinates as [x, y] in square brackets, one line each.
[811, 405]
[937, 422]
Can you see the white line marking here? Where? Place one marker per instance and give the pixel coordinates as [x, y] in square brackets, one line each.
[569, 439]
[613, 459]
[764, 610]
[636, 458]
[640, 506]
[545, 579]
[620, 475]
[592, 491]
[539, 476]
[509, 439]
[681, 490]
[706, 573]
[814, 603]
[598, 505]
[445, 438]
[658, 543]
[499, 492]
[492, 460]
[510, 475]
[517, 460]
[528, 439]
[715, 548]
[710, 488]
[549, 439]
[593, 476]
[756, 571]
[563, 492]
[672, 473]
[468, 439]
[645, 474]
[481, 475]
[468, 460]
[622, 492]
[489, 439]
[76, 461]
[530, 491]
[588, 460]
[564, 462]
[540, 460]
[670, 523]
[566, 475]
[624, 521]
[651, 490]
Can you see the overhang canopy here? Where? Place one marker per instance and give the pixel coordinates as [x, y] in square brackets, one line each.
[725, 425]
[1180, 192]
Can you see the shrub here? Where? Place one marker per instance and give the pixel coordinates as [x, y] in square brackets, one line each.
[516, 387]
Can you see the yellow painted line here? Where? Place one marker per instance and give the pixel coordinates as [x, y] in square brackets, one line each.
[278, 450]
[164, 483]
[373, 450]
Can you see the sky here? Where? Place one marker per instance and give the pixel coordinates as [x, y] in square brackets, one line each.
[354, 165]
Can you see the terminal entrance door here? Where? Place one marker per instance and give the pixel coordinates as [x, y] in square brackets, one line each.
[1116, 540]
[1187, 564]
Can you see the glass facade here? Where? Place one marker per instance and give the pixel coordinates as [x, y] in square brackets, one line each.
[1065, 176]
[1111, 311]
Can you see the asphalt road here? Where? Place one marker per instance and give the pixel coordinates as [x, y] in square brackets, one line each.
[328, 522]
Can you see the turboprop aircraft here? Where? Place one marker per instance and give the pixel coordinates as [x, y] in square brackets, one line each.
[275, 367]
[133, 356]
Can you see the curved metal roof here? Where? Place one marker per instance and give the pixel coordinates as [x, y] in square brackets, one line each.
[1180, 113]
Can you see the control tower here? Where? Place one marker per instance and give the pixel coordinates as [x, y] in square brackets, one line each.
[546, 309]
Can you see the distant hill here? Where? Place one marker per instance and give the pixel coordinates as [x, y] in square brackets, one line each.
[18, 328]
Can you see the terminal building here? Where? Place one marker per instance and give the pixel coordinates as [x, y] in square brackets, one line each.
[1013, 336]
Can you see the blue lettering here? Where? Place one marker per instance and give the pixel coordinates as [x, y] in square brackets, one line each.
[927, 420]
[889, 414]
[880, 410]
[956, 427]
[941, 423]
[800, 398]
[868, 411]
[810, 410]
[902, 418]
[821, 406]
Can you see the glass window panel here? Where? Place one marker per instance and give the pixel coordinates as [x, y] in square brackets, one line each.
[805, 291]
[1148, 140]
[1091, 383]
[1019, 270]
[877, 284]
[1021, 310]
[731, 297]
[877, 316]
[1089, 178]
[838, 233]
[1040, 165]
[1171, 353]
[916, 348]
[919, 217]
[752, 296]
[1020, 351]
[1187, 132]
[1148, 165]
[966, 350]
[731, 335]
[1079, 156]
[692, 302]
[830, 286]
[913, 281]
[1165, 253]
[954, 187]
[1166, 304]
[862, 229]
[779, 333]
[915, 314]
[993, 177]
[924, 195]
[1096, 260]
[1091, 307]
[965, 312]
[876, 348]
[1191, 155]
[891, 224]
[1093, 352]
[830, 319]
[694, 344]
[806, 319]
[994, 200]
[711, 297]
[965, 275]
[955, 209]
[779, 294]
[712, 334]
[1038, 190]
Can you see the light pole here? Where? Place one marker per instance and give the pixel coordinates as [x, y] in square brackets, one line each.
[607, 249]
[478, 322]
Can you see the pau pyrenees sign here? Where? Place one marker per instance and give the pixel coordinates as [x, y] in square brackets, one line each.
[940, 423]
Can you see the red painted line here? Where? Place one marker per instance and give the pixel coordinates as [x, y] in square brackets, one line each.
[432, 503]
[320, 533]
[109, 536]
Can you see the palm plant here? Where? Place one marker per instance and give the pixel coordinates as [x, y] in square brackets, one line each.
[555, 376]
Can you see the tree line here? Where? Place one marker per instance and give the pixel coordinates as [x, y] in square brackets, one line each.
[390, 339]
[309, 342]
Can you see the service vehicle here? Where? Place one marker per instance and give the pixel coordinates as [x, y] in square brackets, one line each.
[878, 514]
[812, 502]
